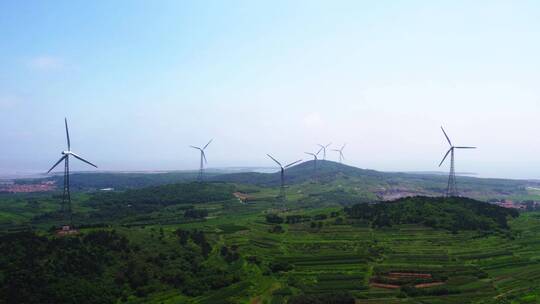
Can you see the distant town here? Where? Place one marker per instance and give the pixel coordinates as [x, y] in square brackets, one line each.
[525, 205]
[13, 187]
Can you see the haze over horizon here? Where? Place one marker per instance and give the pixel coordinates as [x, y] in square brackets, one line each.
[141, 81]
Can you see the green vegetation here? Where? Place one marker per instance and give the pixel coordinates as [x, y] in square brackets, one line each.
[120, 204]
[446, 213]
[349, 184]
[354, 185]
[161, 204]
[197, 243]
[123, 181]
[103, 266]
[322, 299]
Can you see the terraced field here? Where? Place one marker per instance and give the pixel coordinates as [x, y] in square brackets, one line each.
[405, 264]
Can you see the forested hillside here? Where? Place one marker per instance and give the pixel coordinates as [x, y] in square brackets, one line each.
[104, 266]
[447, 213]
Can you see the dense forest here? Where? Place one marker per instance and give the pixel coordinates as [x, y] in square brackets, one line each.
[103, 266]
[447, 213]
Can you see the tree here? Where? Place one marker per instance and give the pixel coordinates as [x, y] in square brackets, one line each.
[274, 219]
[183, 236]
[277, 229]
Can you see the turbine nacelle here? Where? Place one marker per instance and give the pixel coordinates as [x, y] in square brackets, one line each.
[68, 152]
[323, 148]
[282, 173]
[313, 154]
[452, 147]
[340, 151]
[280, 165]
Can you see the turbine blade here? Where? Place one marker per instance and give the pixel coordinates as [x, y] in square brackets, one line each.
[208, 143]
[344, 145]
[196, 148]
[59, 161]
[204, 156]
[447, 138]
[294, 163]
[328, 145]
[83, 160]
[445, 156]
[274, 160]
[336, 150]
[67, 134]
[312, 154]
[465, 147]
[342, 156]
[319, 151]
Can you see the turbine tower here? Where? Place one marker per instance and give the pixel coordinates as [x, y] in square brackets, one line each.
[66, 196]
[323, 148]
[452, 188]
[341, 157]
[282, 188]
[203, 159]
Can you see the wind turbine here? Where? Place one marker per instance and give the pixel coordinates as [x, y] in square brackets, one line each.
[341, 157]
[323, 148]
[282, 189]
[315, 158]
[452, 188]
[66, 196]
[203, 159]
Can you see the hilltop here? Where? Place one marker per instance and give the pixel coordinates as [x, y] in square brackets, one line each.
[384, 185]
[326, 171]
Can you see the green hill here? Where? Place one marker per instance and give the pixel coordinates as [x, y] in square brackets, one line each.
[453, 214]
[389, 185]
[327, 171]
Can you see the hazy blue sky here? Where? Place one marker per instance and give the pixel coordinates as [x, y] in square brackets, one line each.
[141, 80]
